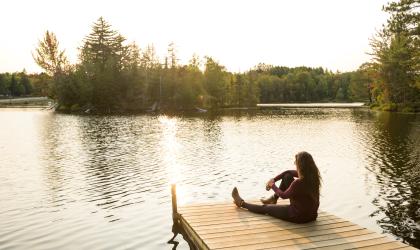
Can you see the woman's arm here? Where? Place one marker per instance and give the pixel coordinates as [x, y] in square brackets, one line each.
[290, 192]
[294, 173]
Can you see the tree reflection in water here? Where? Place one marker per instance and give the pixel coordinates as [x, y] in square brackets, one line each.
[396, 151]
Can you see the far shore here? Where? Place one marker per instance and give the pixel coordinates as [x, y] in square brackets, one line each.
[313, 105]
[46, 103]
[26, 102]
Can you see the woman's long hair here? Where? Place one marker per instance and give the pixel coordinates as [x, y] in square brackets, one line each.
[308, 172]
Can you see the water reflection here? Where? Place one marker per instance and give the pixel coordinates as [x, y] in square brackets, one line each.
[60, 149]
[69, 180]
[395, 160]
[170, 147]
[101, 139]
[177, 229]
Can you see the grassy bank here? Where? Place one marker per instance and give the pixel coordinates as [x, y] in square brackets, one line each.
[398, 107]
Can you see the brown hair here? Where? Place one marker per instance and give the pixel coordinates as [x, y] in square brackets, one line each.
[308, 172]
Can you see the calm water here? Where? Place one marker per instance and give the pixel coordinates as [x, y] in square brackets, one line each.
[103, 182]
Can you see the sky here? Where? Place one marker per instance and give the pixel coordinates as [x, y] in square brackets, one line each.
[239, 34]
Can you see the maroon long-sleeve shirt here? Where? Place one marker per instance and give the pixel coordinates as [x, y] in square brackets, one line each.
[303, 203]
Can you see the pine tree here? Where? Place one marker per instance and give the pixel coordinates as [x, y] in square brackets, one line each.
[103, 48]
[396, 56]
[103, 57]
[404, 27]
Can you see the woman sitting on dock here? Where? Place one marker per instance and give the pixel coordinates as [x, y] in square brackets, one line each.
[303, 193]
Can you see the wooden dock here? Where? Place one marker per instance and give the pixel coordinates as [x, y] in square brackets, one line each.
[224, 226]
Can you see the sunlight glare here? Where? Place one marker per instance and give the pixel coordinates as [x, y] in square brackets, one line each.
[170, 147]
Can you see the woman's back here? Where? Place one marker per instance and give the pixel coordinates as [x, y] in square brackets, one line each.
[303, 202]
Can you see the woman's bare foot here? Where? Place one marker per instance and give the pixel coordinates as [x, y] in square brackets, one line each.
[236, 198]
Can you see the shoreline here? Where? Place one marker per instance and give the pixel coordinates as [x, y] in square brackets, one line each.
[313, 105]
[43, 103]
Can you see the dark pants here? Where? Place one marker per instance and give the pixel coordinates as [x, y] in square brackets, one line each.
[278, 211]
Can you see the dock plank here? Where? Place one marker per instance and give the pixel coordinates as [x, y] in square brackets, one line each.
[228, 220]
[286, 238]
[302, 242]
[259, 228]
[284, 234]
[224, 226]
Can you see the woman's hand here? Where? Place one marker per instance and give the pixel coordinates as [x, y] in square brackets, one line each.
[269, 184]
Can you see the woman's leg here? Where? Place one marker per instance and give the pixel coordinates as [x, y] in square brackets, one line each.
[278, 211]
[284, 185]
[286, 181]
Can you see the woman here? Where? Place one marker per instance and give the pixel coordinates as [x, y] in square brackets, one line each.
[303, 193]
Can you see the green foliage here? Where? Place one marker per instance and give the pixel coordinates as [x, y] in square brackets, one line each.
[113, 75]
[3, 85]
[25, 84]
[14, 90]
[103, 49]
[15, 84]
[103, 56]
[359, 86]
[41, 84]
[390, 106]
[215, 82]
[303, 84]
[396, 60]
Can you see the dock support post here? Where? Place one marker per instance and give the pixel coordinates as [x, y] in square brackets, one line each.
[174, 203]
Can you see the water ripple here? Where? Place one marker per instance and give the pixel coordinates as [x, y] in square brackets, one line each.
[102, 182]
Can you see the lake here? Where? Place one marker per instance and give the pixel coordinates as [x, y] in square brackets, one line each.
[103, 182]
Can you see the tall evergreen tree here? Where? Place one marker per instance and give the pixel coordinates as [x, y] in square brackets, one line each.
[103, 48]
[103, 56]
[396, 55]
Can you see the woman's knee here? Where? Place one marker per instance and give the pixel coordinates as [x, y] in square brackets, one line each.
[288, 177]
[286, 181]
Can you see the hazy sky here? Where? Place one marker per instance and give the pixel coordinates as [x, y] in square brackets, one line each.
[239, 34]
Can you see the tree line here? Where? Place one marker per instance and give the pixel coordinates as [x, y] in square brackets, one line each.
[21, 84]
[114, 75]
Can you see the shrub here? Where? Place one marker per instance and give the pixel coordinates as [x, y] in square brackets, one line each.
[75, 108]
[389, 107]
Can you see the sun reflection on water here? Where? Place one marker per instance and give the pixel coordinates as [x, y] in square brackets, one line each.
[170, 148]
